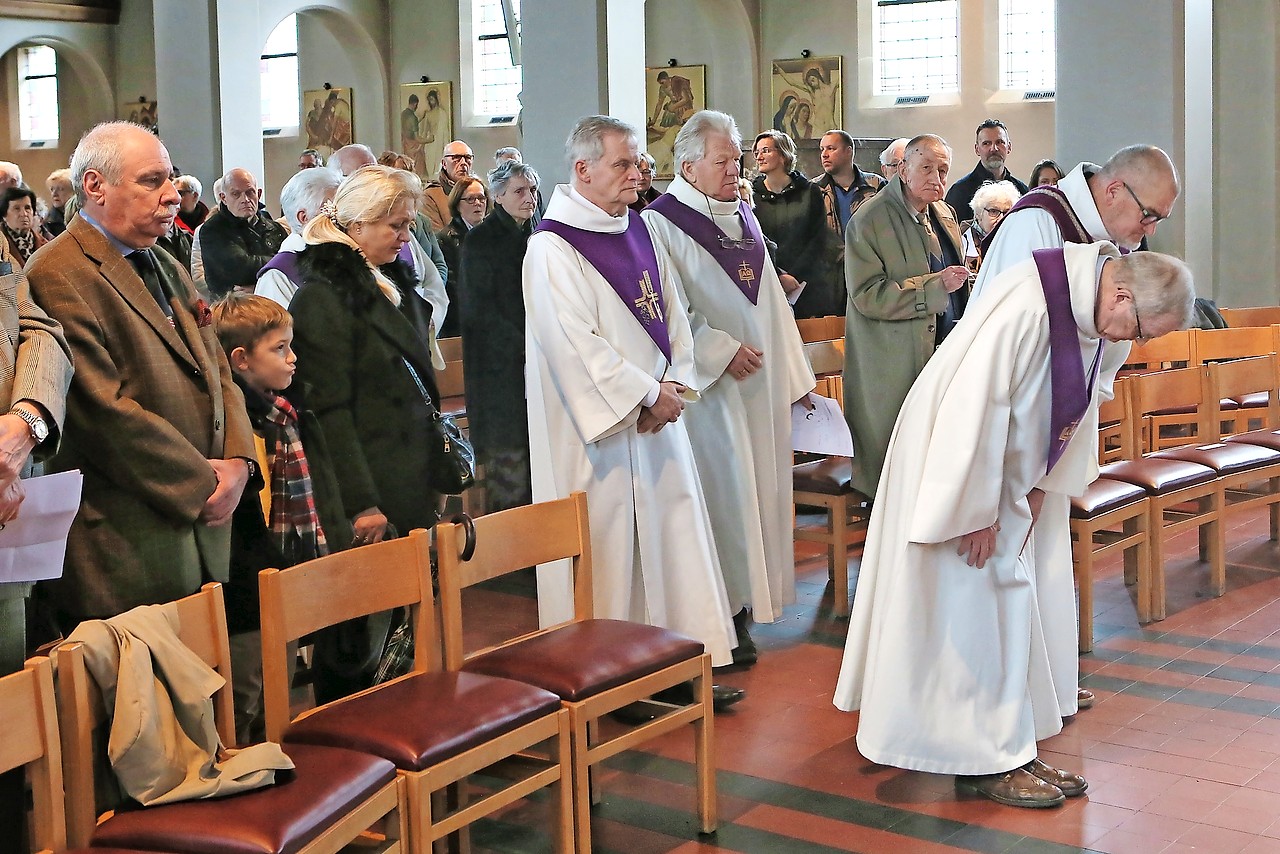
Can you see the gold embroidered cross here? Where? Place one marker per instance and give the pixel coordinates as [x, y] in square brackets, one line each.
[745, 273]
[648, 301]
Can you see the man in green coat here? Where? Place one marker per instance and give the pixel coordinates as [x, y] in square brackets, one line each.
[906, 280]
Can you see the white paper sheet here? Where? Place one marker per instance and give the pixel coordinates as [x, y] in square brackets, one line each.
[32, 546]
[821, 430]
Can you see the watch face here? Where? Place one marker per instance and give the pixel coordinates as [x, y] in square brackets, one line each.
[40, 429]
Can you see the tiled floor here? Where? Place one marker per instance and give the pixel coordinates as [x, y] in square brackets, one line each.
[1181, 750]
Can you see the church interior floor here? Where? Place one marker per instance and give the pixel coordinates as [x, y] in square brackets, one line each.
[1181, 750]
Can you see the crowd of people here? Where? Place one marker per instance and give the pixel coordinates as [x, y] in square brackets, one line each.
[252, 390]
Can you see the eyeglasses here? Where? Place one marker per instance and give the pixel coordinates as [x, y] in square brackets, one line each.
[467, 157]
[894, 165]
[1149, 217]
[1137, 319]
[996, 213]
[480, 199]
[745, 243]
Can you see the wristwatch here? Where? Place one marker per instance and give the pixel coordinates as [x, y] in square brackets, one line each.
[39, 429]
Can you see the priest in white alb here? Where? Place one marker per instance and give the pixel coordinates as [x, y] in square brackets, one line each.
[751, 367]
[946, 657]
[609, 368]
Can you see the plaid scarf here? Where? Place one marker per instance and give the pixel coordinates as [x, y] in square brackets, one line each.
[294, 521]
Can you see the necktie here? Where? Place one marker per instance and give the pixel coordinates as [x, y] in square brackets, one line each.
[145, 263]
[931, 242]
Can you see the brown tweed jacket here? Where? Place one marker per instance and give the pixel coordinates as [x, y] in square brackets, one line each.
[151, 402]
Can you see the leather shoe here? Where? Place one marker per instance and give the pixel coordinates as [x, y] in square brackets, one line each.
[722, 696]
[1016, 788]
[1084, 699]
[1072, 785]
[745, 654]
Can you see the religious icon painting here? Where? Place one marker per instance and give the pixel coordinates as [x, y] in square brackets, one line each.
[672, 95]
[426, 124]
[328, 119]
[142, 112]
[808, 96]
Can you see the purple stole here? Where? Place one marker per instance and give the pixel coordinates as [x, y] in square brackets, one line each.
[628, 262]
[285, 262]
[1070, 394]
[1051, 199]
[743, 265]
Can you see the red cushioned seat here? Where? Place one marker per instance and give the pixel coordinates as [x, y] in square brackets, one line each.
[1103, 496]
[830, 476]
[1253, 400]
[455, 406]
[1159, 476]
[1224, 457]
[584, 658]
[450, 713]
[111, 851]
[1227, 404]
[279, 819]
[1265, 438]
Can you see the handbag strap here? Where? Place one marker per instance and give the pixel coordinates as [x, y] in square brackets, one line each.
[418, 382]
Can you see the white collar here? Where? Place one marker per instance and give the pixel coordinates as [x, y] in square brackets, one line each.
[1076, 188]
[700, 201]
[569, 206]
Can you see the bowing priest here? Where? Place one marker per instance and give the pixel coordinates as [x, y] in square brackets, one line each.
[1092, 203]
[751, 367]
[609, 369]
[946, 656]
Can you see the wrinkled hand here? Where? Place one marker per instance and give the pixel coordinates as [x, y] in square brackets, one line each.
[745, 362]
[790, 284]
[232, 476]
[976, 547]
[954, 277]
[370, 527]
[16, 444]
[665, 409]
[11, 496]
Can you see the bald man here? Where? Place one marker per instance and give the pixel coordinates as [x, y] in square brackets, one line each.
[237, 244]
[456, 164]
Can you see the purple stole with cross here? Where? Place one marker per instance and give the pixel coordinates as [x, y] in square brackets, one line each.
[1071, 394]
[628, 262]
[744, 266]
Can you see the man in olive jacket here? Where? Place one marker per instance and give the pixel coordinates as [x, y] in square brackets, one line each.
[154, 420]
[906, 290]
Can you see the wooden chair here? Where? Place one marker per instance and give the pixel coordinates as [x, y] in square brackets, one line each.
[438, 727]
[595, 666]
[31, 742]
[1256, 316]
[1111, 516]
[827, 483]
[1167, 410]
[1252, 378]
[1182, 495]
[1220, 345]
[1175, 350]
[452, 381]
[826, 328]
[1113, 423]
[331, 798]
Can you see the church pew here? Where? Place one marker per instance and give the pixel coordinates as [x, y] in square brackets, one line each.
[1254, 316]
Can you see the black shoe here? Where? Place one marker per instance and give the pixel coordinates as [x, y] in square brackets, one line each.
[745, 654]
[722, 696]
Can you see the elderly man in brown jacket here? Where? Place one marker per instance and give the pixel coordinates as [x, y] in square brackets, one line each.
[906, 279]
[154, 420]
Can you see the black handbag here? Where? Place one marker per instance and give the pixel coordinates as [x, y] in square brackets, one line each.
[451, 461]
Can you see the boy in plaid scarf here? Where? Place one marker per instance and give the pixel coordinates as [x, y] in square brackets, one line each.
[293, 515]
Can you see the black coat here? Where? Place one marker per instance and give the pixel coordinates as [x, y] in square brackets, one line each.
[492, 299]
[961, 193]
[796, 220]
[352, 344]
[234, 249]
[450, 238]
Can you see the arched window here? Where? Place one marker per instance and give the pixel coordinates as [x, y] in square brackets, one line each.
[279, 71]
[916, 47]
[37, 96]
[496, 77]
[1028, 45]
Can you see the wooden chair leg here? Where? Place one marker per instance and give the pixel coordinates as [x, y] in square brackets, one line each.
[1155, 566]
[1084, 581]
[705, 753]
[564, 802]
[1142, 559]
[1217, 551]
[581, 779]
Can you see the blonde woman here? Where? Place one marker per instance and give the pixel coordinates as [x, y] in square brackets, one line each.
[361, 336]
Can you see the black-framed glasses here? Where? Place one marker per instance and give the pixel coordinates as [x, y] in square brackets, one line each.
[460, 157]
[727, 242]
[1149, 217]
[996, 213]
[1137, 319]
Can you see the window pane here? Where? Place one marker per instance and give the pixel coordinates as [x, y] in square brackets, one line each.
[37, 94]
[1028, 45]
[279, 76]
[497, 81]
[917, 47]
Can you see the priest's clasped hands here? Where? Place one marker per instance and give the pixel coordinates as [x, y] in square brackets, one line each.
[665, 409]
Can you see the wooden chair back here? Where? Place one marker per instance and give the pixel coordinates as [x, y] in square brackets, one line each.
[825, 357]
[826, 328]
[1113, 422]
[1217, 345]
[831, 386]
[1175, 350]
[31, 740]
[507, 541]
[339, 587]
[1154, 393]
[1241, 377]
[1254, 316]
[202, 628]
[451, 348]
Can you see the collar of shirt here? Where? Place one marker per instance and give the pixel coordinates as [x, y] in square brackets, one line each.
[1076, 188]
[121, 247]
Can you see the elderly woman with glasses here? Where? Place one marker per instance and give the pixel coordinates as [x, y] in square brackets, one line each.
[469, 204]
[646, 192]
[18, 222]
[993, 200]
[493, 335]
